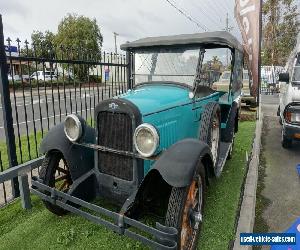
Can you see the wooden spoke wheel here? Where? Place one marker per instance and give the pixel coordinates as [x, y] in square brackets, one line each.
[185, 210]
[55, 173]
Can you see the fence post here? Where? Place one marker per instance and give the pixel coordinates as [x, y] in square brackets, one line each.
[129, 69]
[24, 191]
[7, 112]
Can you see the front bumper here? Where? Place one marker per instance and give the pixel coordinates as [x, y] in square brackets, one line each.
[161, 237]
[291, 131]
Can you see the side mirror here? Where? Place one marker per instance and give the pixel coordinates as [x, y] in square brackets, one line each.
[284, 77]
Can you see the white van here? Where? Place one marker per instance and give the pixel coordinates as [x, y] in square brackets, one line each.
[289, 106]
[44, 76]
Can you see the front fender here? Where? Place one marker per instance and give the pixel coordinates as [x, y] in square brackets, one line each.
[79, 159]
[177, 164]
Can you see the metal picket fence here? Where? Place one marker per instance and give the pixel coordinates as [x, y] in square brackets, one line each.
[40, 85]
[269, 79]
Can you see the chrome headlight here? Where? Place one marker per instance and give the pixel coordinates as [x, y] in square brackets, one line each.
[146, 139]
[73, 127]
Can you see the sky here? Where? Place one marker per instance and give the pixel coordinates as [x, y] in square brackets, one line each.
[131, 19]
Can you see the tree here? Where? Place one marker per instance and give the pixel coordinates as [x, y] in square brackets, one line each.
[77, 32]
[288, 30]
[77, 38]
[82, 37]
[43, 43]
[216, 64]
[280, 29]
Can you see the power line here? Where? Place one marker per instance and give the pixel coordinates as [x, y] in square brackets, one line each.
[229, 19]
[212, 19]
[189, 17]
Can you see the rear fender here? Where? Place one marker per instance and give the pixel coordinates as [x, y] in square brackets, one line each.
[79, 159]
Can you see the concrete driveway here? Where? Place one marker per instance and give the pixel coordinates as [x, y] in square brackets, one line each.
[278, 197]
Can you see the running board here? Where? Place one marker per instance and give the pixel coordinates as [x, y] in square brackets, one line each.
[224, 151]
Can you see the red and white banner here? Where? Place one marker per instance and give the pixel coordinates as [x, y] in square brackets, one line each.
[247, 14]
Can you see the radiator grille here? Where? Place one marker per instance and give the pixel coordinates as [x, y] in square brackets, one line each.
[115, 131]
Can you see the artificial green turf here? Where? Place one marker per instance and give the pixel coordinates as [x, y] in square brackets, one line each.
[223, 196]
[39, 229]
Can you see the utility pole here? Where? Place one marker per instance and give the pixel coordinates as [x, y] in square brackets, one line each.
[115, 37]
[228, 29]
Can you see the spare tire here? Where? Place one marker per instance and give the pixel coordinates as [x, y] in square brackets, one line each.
[210, 128]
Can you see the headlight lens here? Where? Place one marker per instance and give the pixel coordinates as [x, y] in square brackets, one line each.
[146, 139]
[73, 128]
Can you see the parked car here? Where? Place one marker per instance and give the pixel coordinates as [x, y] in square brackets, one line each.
[64, 73]
[43, 76]
[14, 77]
[156, 146]
[26, 78]
[289, 106]
[224, 83]
[247, 98]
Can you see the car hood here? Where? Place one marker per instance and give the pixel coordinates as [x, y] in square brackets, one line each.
[151, 98]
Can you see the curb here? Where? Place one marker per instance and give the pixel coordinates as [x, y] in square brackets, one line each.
[247, 211]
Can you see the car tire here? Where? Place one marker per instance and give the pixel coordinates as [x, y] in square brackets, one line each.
[280, 121]
[211, 123]
[184, 204]
[48, 174]
[286, 142]
[278, 114]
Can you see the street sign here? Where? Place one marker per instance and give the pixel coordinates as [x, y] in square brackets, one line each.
[11, 50]
[106, 70]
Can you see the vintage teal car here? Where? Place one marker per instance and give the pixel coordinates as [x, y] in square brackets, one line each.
[155, 148]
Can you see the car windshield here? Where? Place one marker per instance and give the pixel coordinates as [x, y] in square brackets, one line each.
[245, 76]
[169, 65]
[296, 75]
[182, 66]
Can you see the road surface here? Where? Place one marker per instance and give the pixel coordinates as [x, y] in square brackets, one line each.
[279, 198]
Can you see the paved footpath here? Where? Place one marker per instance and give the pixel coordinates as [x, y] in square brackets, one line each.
[281, 182]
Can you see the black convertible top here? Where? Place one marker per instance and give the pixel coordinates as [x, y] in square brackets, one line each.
[217, 38]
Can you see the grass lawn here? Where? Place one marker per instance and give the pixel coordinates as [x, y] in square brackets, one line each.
[39, 229]
[29, 150]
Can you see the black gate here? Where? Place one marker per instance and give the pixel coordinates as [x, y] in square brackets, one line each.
[39, 85]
